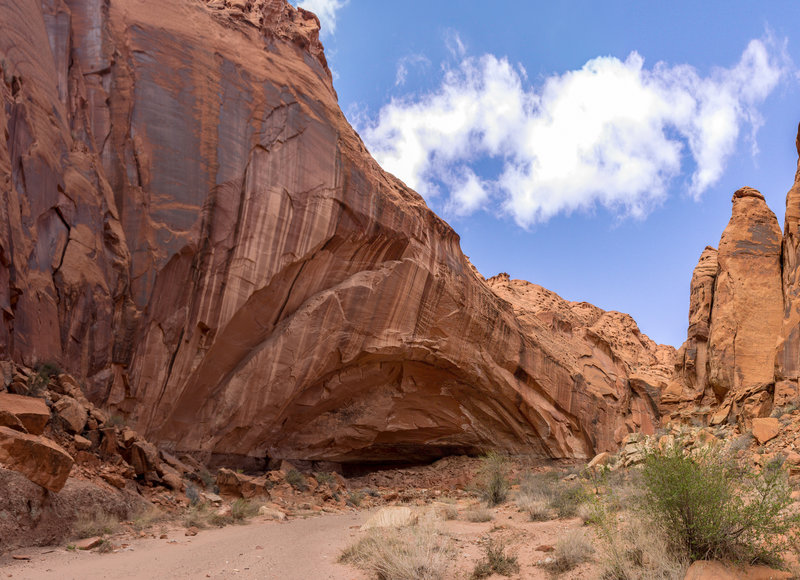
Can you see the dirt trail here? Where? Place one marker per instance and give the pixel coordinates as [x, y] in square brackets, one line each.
[295, 550]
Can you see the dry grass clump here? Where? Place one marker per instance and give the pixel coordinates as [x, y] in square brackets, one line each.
[95, 523]
[244, 509]
[570, 551]
[495, 562]
[637, 550]
[536, 506]
[418, 552]
[196, 516]
[478, 515]
[450, 512]
[562, 496]
[147, 518]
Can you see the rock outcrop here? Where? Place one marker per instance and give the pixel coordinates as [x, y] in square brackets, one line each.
[189, 224]
[742, 354]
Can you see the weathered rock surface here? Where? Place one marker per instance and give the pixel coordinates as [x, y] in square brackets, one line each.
[190, 226]
[748, 303]
[735, 317]
[31, 412]
[749, 364]
[38, 458]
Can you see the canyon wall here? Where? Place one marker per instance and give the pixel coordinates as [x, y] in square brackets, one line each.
[191, 226]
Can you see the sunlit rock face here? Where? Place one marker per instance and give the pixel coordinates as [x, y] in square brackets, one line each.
[741, 354]
[190, 224]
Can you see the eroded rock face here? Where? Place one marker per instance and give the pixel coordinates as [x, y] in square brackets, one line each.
[193, 228]
[741, 354]
[748, 302]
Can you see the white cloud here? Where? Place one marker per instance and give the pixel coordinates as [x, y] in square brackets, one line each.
[325, 11]
[612, 133]
[412, 60]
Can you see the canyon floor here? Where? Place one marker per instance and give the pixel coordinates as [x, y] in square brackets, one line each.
[297, 549]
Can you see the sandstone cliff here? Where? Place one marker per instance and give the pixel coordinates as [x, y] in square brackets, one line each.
[191, 226]
[742, 353]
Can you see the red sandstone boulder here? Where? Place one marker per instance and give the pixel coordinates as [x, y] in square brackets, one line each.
[72, 413]
[37, 458]
[766, 429]
[32, 412]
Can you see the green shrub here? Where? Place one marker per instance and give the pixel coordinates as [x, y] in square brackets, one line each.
[494, 484]
[712, 508]
[567, 498]
[326, 478]
[296, 479]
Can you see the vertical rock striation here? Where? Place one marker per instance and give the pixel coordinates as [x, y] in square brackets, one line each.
[742, 353]
[191, 225]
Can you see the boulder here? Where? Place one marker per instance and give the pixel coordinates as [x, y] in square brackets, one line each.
[144, 458]
[8, 419]
[82, 443]
[32, 412]
[600, 460]
[241, 485]
[37, 458]
[72, 413]
[766, 428]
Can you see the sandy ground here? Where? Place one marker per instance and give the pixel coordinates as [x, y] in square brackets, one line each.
[300, 549]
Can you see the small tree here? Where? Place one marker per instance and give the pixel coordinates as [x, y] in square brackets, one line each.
[714, 508]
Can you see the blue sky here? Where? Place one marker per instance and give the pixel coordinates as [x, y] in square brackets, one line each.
[592, 148]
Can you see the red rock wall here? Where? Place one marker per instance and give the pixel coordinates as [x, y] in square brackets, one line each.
[192, 226]
[741, 354]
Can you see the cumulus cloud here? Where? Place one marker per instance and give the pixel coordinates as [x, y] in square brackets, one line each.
[613, 133]
[325, 11]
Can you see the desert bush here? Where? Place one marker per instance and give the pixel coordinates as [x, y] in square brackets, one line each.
[325, 478]
[450, 512]
[741, 442]
[95, 523]
[567, 498]
[478, 515]
[495, 562]
[493, 483]
[570, 551]
[354, 498]
[244, 509]
[713, 508]
[536, 506]
[105, 547]
[296, 479]
[192, 493]
[418, 552]
[38, 382]
[196, 516]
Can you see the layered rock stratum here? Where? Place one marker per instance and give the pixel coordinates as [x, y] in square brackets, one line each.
[190, 225]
